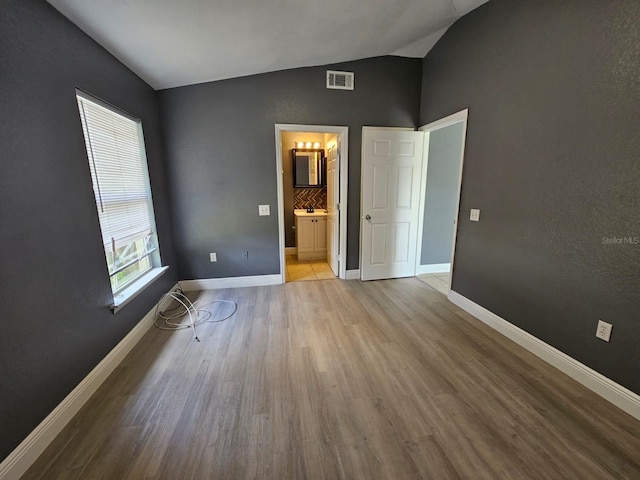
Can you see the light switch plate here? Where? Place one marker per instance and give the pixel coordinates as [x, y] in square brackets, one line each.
[213, 257]
[264, 210]
[475, 215]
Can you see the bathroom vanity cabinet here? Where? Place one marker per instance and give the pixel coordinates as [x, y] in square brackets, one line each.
[311, 235]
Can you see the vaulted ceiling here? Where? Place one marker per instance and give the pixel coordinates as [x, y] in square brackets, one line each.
[172, 43]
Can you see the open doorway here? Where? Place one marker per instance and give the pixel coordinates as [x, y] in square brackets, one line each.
[311, 161]
[442, 178]
[410, 200]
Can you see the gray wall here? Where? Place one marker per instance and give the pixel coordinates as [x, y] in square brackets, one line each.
[551, 160]
[441, 198]
[54, 286]
[221, 154]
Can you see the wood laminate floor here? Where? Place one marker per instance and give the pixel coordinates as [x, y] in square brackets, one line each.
[341, 380]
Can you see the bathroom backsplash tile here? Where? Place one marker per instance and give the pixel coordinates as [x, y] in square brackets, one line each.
[304, 197]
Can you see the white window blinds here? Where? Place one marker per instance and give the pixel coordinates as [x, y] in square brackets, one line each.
[117, 160]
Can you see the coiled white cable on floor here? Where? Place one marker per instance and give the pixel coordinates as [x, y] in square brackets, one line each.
[174, 319]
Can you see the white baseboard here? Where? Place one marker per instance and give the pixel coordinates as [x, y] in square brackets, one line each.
[615, 393]
[18, 461]
[353, 274]
[230, 282]
[290, 250]
[433, 268]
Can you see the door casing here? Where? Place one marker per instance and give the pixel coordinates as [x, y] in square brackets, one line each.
[461, 116]
[343, 132]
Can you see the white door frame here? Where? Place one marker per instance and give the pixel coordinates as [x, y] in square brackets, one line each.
[458, 117]
[344, 179]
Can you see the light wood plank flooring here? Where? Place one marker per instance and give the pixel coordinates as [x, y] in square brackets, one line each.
[341, 380]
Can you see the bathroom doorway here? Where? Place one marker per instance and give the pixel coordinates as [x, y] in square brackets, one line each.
[312, 216]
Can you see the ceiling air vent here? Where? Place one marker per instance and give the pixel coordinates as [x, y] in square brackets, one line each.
[340, 80]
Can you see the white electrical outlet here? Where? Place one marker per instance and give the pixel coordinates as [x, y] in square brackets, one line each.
[264, 210]
[474, 216]
[604, 330]
[213, 257]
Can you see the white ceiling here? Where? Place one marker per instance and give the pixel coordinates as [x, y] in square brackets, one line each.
[171, 43]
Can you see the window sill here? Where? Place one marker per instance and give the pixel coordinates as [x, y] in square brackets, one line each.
[133, 290]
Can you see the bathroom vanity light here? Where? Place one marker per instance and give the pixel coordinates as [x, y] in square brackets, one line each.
[315, 145]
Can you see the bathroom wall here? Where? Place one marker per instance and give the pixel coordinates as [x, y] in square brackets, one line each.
[298, 197]
[310, 197]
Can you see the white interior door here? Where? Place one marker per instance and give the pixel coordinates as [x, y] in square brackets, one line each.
[391, 173]
[333, 199]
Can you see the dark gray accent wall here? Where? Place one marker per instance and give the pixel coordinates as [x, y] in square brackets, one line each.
[441, 195]
[552, 161]
[221, 154]
[54, 285]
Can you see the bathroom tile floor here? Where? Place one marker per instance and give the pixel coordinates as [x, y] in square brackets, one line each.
[437, 281]
[307, 269]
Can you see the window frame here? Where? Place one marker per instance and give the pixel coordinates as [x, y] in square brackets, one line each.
[122, 294]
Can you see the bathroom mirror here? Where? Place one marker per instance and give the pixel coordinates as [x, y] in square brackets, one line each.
[309, 168]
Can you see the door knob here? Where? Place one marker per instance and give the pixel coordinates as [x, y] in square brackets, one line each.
[368, 217]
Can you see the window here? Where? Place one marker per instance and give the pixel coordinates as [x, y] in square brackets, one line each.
[118, 164]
